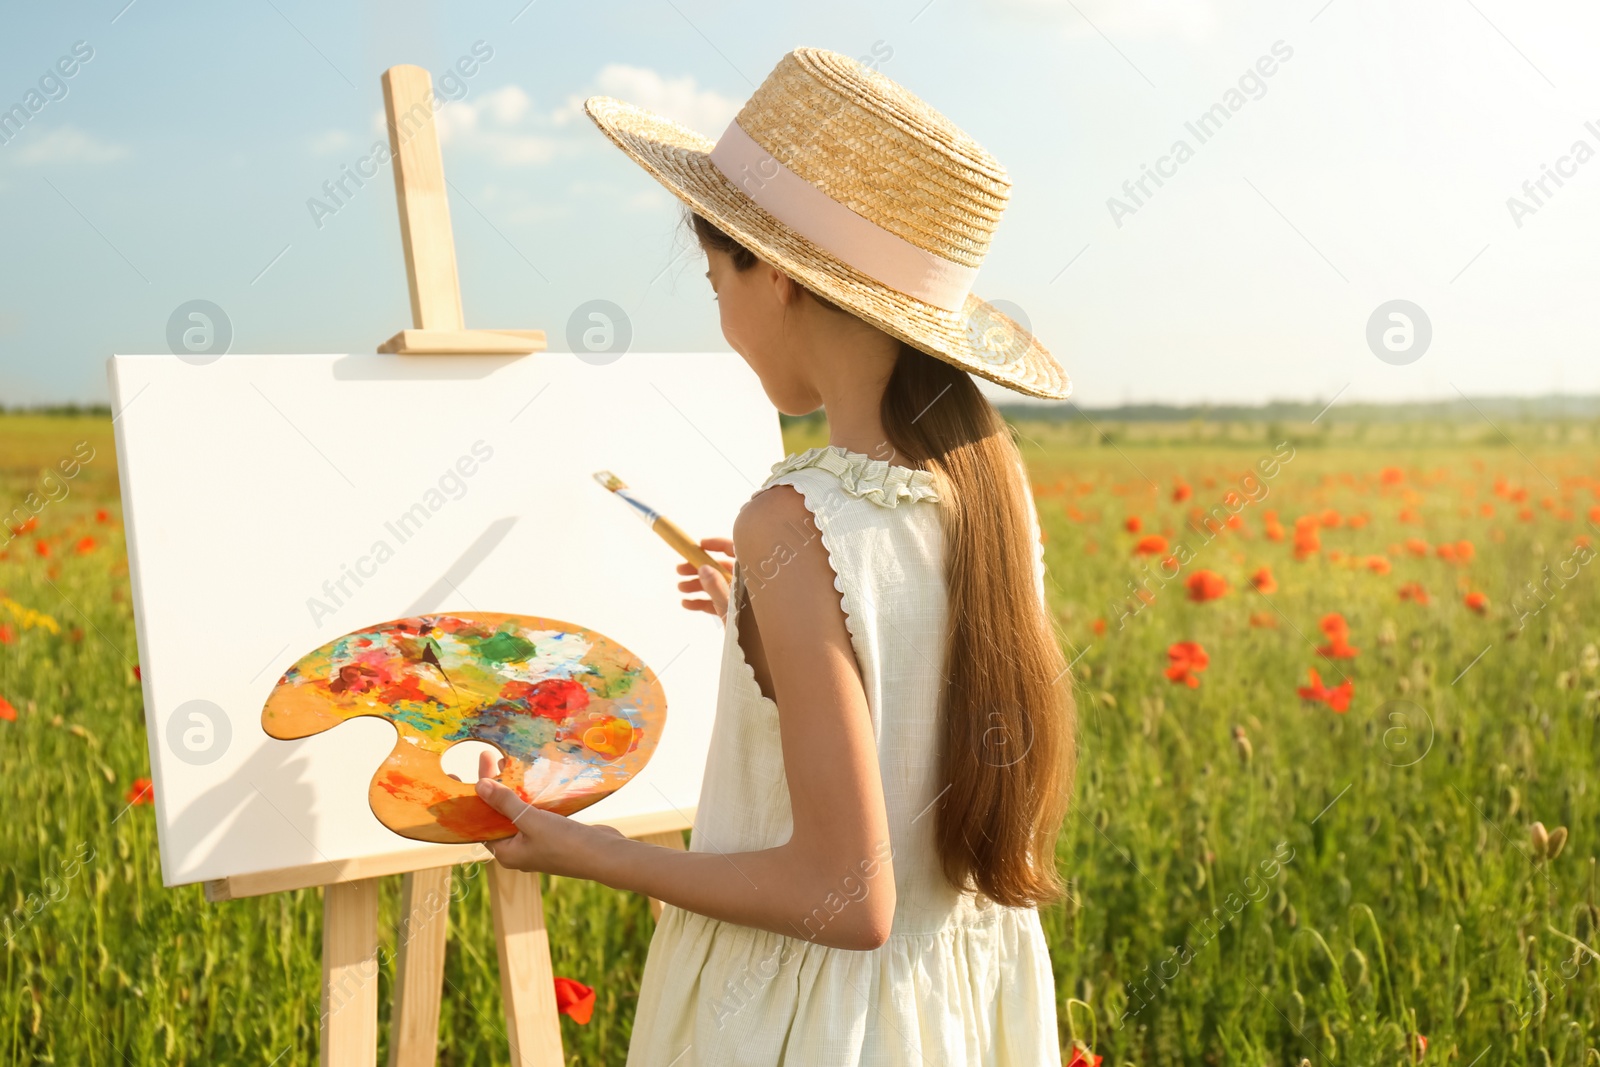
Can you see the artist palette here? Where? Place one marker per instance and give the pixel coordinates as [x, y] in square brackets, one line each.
[575, 714]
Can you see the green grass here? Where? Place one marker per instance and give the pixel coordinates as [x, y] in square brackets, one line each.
[1411, 903]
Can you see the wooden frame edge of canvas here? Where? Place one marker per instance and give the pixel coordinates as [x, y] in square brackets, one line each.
[337, 872]
[464, 342]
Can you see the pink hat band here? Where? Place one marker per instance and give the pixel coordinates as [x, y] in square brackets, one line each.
[856, 241]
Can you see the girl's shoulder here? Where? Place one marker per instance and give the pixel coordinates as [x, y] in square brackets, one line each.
[856, 475]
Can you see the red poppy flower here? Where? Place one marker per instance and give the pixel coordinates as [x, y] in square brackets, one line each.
[41, 547]
[1338, 632]
[28, 527]
[1099, 627]
[1414, 591]
[7, 634]
[574, 999]
[136, 675]
[102, 515]
[1337, 698]
[1307, 542]
[1133, 524]
[7, 712]
[140, 792]
[1181, 491]
[1150, 545]
[85, 545]
[1264, 620]
[1081, 1058]
[1263, 581]
[1391, 476]
[1478, 602]
[1186, 659]
[1378, 564]
[1205, 585]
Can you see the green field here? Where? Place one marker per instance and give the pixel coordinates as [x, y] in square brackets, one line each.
[1257, 877]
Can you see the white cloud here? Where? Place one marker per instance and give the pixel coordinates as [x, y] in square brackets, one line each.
[505, 106]
[505, 125]
[521, 149]
[68, 144]
[488, 124]
[1192, 19]
[516, 206]
[329, 142]
[508, 104]
[705, 111]
[646, 200]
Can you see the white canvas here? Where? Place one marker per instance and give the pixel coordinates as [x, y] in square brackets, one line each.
[253, 484]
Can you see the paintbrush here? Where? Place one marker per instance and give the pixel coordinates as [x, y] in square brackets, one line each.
[669, 531]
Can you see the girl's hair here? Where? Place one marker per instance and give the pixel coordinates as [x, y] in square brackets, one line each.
[1007, 710]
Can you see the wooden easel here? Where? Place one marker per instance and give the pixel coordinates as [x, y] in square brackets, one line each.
[350, 889]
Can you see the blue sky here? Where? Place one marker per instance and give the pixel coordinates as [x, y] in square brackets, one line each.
[1376, 162]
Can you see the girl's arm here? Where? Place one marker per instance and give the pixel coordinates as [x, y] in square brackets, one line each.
[832, 882]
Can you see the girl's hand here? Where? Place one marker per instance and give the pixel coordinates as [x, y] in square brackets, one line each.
[544, 841]
[707, 580]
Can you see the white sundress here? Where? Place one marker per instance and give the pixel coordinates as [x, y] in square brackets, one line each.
[961, 980]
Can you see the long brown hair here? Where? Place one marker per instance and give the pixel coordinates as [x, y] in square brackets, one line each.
[1007, 712]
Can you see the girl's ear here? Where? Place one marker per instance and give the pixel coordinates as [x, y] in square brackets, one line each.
[784, 287]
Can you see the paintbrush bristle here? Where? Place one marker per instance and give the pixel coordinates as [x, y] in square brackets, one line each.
[609, 480]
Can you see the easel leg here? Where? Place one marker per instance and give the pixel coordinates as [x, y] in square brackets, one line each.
[350, 974]
[419, 968]
[667, 839]
[527, 982]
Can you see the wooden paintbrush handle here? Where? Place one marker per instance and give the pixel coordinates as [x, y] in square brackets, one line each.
[687, 547]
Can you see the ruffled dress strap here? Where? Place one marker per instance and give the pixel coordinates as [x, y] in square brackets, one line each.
[884, 483]
[888, 484]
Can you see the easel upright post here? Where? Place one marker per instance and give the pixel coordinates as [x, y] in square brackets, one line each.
[350, 973]
[527, 982]
[425, 234]
[419, 968]
[419, 188]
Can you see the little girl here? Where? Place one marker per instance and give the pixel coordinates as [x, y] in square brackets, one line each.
[893, 742]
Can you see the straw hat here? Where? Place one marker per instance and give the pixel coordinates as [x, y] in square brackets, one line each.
[861, 192]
